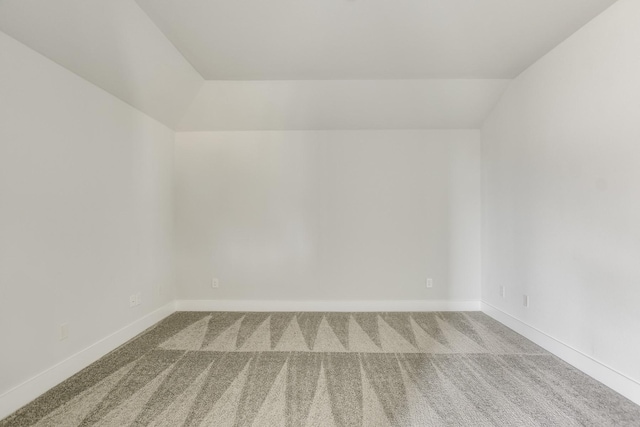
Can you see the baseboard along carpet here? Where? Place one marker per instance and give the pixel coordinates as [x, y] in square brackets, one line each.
[328, 369]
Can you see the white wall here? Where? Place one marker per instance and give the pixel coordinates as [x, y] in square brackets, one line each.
[342, 104]
[561, 192]
[328, 215]
[85, 213]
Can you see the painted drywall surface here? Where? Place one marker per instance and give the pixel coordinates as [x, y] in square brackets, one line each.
[342, 104]
[328, 215]
[561, 192]
[376, 39]
[85, 213]
[113, 44]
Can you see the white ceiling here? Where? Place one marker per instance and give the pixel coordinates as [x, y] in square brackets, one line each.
[111, 43]
[367, 39]
[302, 64]
[342, 104]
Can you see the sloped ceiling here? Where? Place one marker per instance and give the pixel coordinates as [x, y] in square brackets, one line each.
[342, 104]
[112, 44]
[299, 64]
[367, 39]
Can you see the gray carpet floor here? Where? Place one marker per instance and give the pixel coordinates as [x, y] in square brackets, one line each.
[328, 369]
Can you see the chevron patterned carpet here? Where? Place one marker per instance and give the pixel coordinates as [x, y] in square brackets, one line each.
[328, 369]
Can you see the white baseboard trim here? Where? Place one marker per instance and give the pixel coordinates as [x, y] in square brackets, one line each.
[340, 305]
[608, 376]
[17, 397]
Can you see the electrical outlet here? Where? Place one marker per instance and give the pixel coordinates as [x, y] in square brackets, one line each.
[429, 282]
[525, 300]
[135, 299]
[63, 331]
[503, 291]
[215, 282]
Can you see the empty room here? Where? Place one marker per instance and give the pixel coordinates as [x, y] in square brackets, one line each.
[332, 213]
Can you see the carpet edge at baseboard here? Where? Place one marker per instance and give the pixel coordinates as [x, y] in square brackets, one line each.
[608, 376]
[22, 394]
[327, 305]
